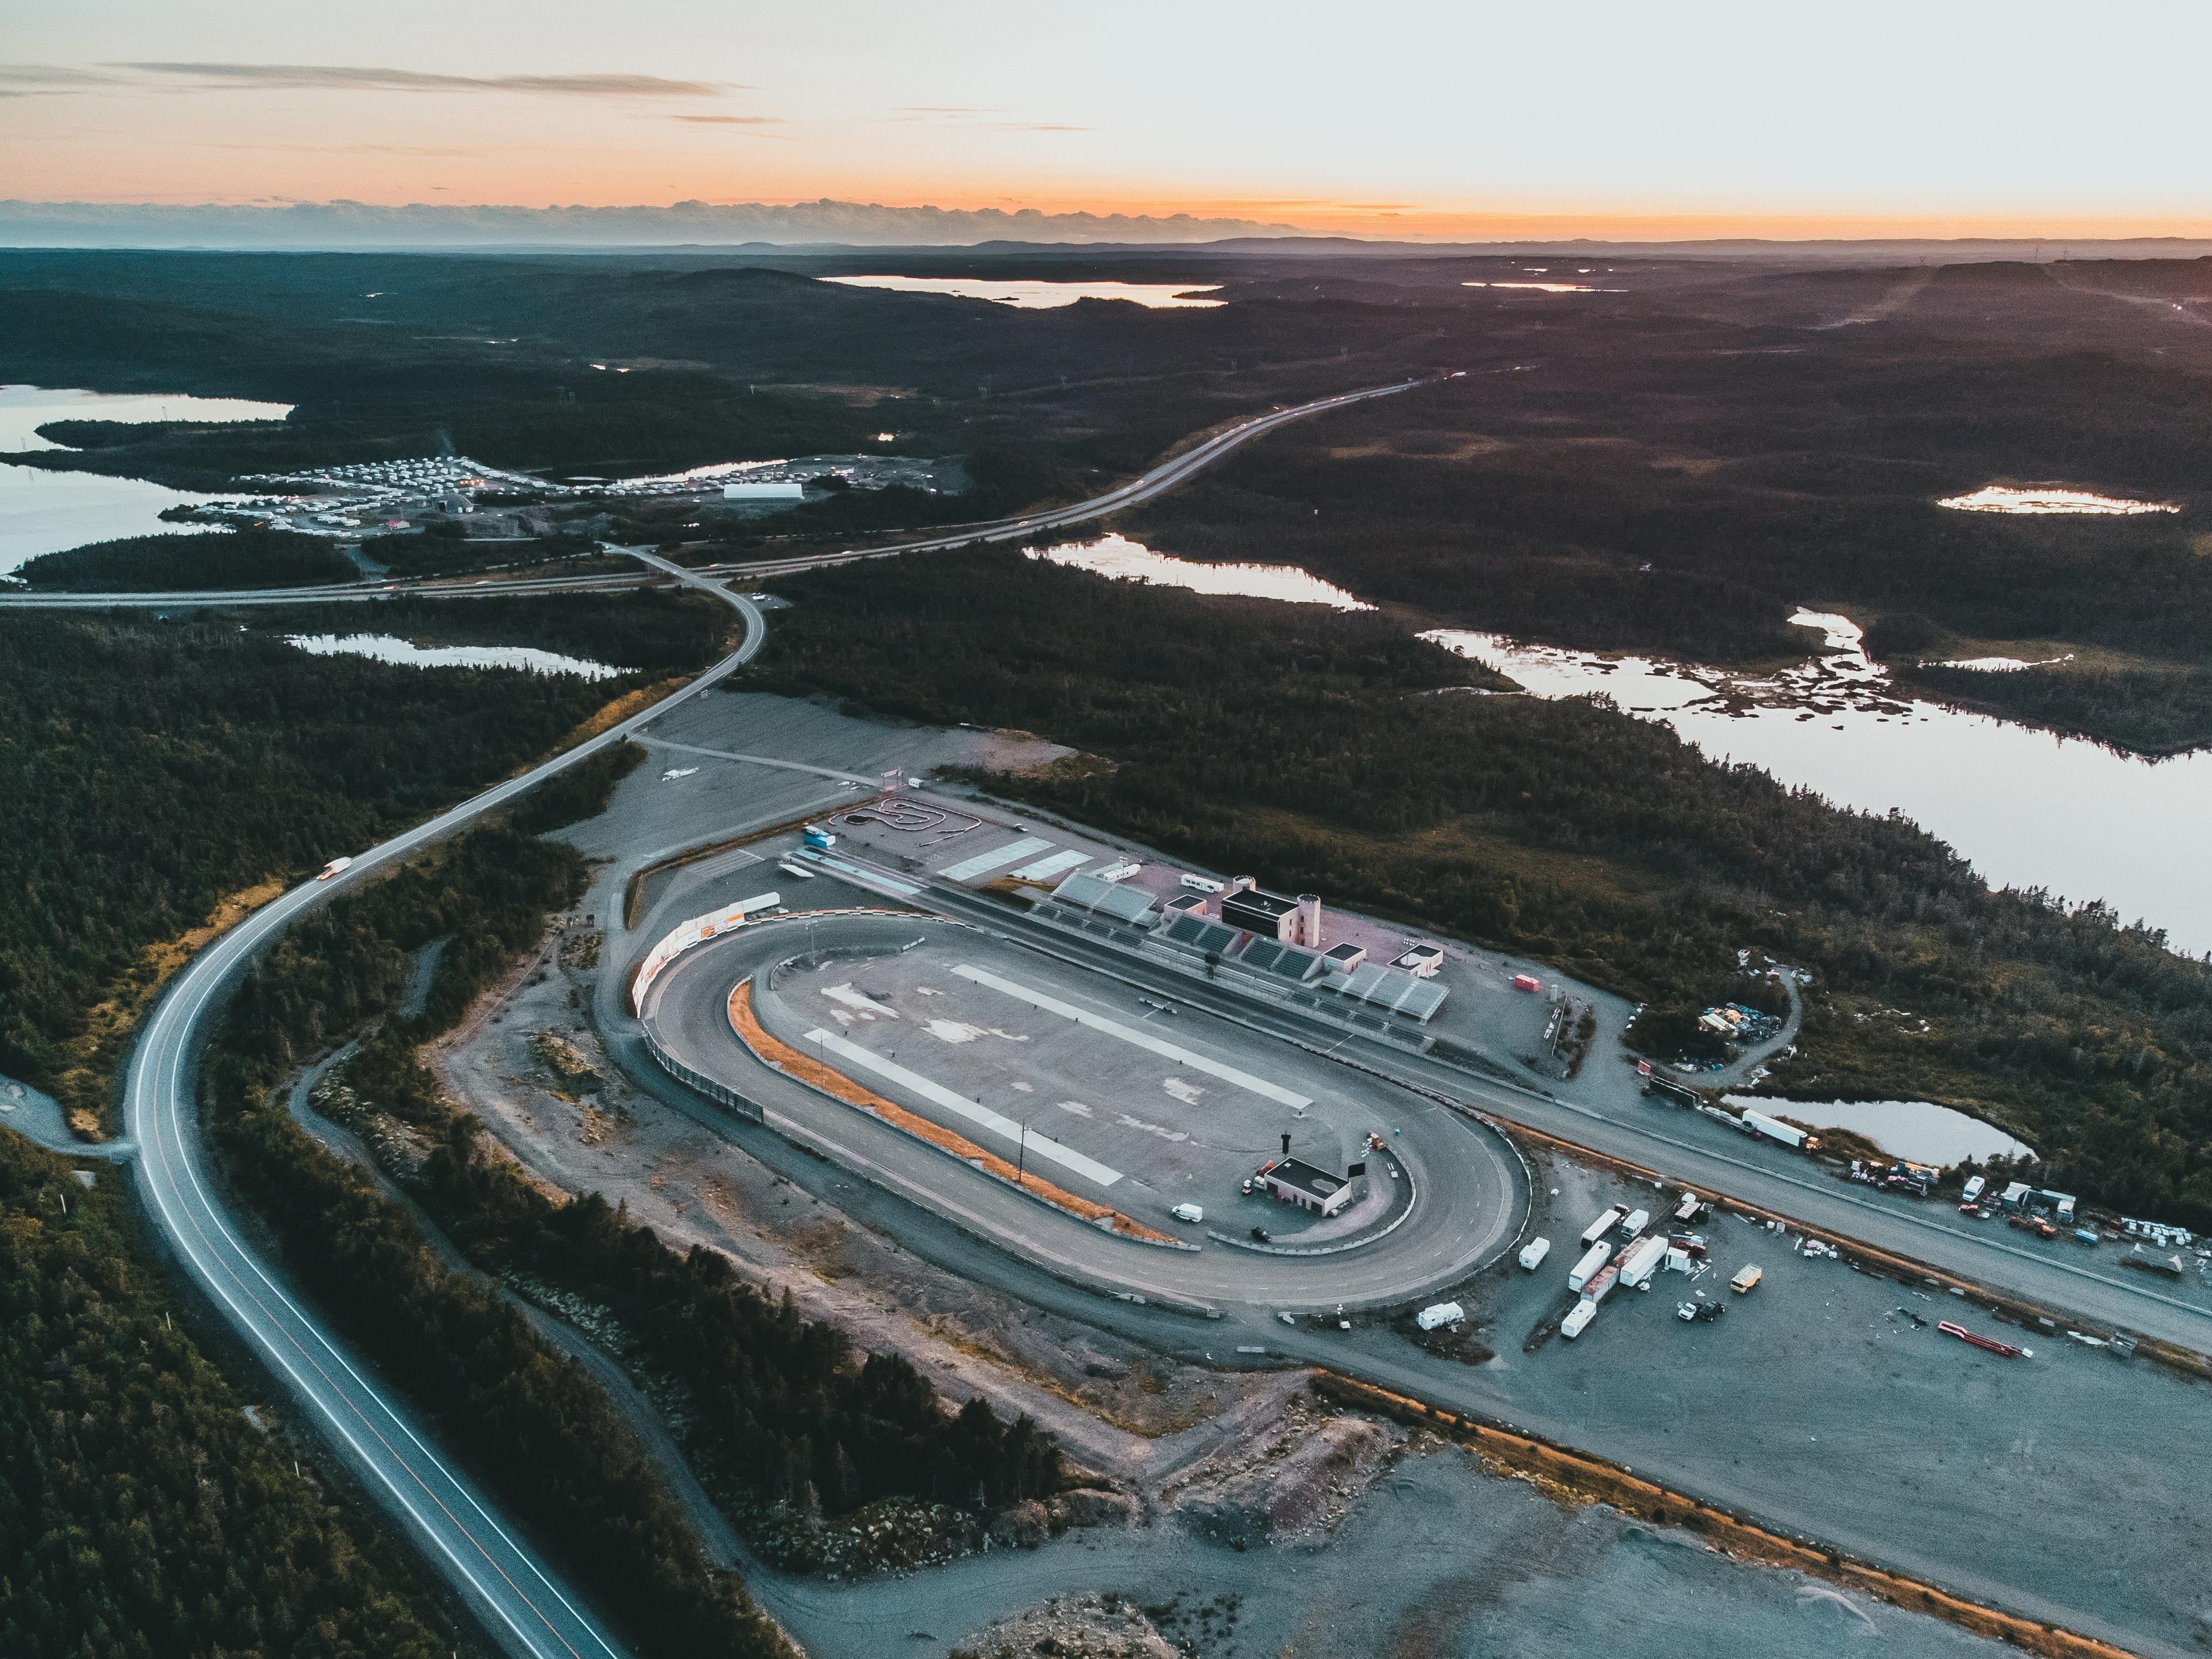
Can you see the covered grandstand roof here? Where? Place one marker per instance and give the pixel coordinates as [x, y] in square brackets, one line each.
[1105, 898]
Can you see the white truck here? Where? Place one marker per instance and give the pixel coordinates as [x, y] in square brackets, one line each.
[1440, 1313]
[336, 866]
[1645, 1260]
[1187, 1212]
[1975, 1187]
[1604, 1224]
[1587, 1269]
[1578, 1321]
[1637, 1222]
[1531, 1256]
[1760, 1127]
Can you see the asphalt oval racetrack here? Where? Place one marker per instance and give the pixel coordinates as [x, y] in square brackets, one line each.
[1470, 1196]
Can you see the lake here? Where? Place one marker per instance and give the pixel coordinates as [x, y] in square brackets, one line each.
[43, 512]
[1912, 1129]
[1044, 296]
[389, 647]
[2027, 807]
[1127, 560]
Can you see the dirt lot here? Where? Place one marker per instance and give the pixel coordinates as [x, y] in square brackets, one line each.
[528, 1063]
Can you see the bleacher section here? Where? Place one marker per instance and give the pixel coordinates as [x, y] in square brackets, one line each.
[1367, 998]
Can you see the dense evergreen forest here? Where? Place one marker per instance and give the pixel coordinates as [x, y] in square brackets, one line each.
[142, 1513]
[180, 563]
[1321, 752]
[783, 1409]
[148, 767]
[1674, 464]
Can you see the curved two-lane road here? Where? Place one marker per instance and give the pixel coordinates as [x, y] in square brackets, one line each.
[500, 1576]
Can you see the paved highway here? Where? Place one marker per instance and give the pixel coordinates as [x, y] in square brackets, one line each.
[499, 1576]
[1164, 477]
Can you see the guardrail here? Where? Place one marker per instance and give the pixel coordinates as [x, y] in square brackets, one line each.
[722, 1093]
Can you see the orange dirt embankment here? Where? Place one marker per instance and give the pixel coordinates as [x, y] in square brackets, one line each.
[1578, 1477]
[776, 1052]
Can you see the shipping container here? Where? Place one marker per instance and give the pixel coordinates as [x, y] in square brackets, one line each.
[1526, 983]
[1642, 1261]
[1602, 1286]
[1587, 1268]
[1604, 1224]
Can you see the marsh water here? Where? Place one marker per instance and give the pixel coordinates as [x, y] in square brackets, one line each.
[43, 512]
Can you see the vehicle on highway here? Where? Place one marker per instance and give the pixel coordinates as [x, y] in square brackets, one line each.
[1187, 1212]
[1745, 1278]
[336, 866]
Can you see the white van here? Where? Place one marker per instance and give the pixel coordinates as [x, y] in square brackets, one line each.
[1187, 1212]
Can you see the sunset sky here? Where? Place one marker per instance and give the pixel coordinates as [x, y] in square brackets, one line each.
[1404, 120]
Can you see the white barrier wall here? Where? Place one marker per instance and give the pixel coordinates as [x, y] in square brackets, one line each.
[698, 931]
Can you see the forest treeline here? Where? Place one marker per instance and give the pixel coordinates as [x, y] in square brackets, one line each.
[184, 564]
[1316, 749]
[151, 767]
[784, 1410]
[142, 1513]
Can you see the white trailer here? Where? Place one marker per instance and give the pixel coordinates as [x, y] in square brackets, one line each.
[1578, 1321]
[1637, 1222]
[1532, 1256]
[1604, 1224]
[1441, 1313]
[1644, 1260]
[1773, 1128]
[1587, 1269]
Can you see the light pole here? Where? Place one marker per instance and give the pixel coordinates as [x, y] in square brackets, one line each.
[1022, 1156]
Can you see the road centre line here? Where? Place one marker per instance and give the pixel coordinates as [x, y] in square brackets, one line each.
[982, 1116]
[1135, 1038]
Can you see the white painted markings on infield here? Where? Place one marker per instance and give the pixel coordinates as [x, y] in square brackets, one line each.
[981, 1115]
[983, 863]
[1044, 868]
[1140, 1039]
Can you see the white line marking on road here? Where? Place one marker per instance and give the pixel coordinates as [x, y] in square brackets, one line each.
[982, 1116]
[1145, 1040]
